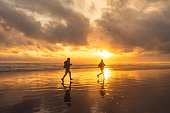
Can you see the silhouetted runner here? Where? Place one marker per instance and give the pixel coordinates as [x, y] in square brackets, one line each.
[67, 67]
[101, 66]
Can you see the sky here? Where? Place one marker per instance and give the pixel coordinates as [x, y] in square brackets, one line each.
[118, 31]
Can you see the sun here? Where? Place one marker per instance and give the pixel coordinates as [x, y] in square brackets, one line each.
[103, 54]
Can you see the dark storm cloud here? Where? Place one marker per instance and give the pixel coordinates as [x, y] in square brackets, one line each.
[129, 27]
[19, 20]
[76, 26]
[2, 36]
[73, 32]
[10, 38]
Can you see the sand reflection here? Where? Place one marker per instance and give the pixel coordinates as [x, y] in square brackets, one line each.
[42, 91]
[107, 73]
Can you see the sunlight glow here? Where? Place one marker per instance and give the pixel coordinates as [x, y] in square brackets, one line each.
[104, 54]
[106, 73]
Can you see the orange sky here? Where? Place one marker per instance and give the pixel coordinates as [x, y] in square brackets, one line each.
[86, 31]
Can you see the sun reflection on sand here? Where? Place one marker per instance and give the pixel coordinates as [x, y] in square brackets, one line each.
[107, 73]
[119, 90]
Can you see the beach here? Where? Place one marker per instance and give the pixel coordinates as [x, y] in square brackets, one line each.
[116, 51]
[122, 91]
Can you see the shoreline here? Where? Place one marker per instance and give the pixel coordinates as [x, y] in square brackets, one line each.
[115, 69]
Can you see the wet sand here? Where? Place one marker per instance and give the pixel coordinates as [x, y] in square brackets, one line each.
[138, 91]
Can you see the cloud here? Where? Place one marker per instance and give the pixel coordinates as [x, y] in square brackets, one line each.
[125, 26]
[19, 20]
[66, 26]
[2, 37]
[138, 24]
[10, 39]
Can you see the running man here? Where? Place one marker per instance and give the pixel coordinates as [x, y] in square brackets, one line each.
[101, 66]
[67, 67]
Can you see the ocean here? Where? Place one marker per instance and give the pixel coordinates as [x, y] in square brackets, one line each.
[14, 67]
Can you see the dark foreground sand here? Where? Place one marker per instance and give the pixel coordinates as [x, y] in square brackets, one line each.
[140, 91]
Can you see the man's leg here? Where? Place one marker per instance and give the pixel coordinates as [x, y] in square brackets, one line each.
[103, 74]
[99, 74]
[70, 75]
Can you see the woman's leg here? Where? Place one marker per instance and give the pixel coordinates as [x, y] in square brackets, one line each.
[64, 75]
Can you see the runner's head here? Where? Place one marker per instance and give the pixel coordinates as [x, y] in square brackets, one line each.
[68, 59]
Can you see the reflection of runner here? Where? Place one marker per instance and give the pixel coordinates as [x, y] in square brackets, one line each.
[67, 97]
[101, 66]
[67, 67]
[102, 89]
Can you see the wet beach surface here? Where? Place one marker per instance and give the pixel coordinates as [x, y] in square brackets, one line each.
[137, 91]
